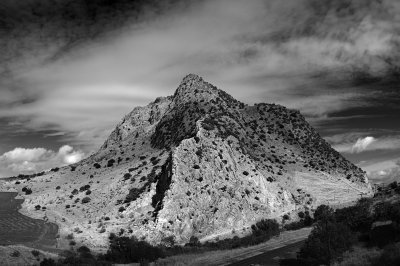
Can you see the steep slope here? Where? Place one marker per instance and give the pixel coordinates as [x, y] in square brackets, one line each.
[198, 163]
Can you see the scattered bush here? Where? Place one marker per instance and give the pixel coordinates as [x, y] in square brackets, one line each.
[393, 185]
[129, 250]
[323, 212]
[84, 188]
[48, 262]
[266, 227]
[110, 163]
[15, 254]
[134, 193]
[35, 253]
[168, 241]
[127, 176]
[85, 200]
[305, 222]
[194, 241]
[83, 249]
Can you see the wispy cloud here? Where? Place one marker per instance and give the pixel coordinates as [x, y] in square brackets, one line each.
[256, 50]
[383, 172]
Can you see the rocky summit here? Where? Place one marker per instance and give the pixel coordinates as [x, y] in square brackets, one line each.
[198, 163]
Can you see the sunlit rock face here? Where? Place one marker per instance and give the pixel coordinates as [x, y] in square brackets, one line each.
[198, 163]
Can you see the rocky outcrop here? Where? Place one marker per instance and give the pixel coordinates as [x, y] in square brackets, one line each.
[198, 163]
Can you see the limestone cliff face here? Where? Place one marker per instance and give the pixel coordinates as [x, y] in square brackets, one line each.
[198, 163]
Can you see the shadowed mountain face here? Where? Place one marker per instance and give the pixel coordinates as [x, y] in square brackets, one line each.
[198, 163]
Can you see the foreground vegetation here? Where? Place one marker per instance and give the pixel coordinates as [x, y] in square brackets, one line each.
[365, 234]
[128, 250]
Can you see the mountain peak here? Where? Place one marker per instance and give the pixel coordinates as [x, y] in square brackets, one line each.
[199, 163]
[189, 83]
[192, 77]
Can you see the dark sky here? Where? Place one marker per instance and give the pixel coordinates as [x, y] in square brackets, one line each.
[72, 68]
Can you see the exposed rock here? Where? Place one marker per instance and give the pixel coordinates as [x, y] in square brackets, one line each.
[198, 163]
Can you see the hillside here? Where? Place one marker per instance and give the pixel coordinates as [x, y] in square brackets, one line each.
[198, 163]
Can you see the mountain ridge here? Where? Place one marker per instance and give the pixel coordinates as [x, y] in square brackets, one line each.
[197, 163]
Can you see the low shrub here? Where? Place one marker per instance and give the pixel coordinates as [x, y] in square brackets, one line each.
[35, 253]
[86, 200]
[127, 176]
[110, 163]
[130, 250]
[15, 254]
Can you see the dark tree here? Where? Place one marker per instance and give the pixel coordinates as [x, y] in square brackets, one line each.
[328, 240]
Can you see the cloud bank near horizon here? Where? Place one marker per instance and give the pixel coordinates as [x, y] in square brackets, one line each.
[22, 160]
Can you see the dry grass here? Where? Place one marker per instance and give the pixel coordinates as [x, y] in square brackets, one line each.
[359, 257]
[25, 256]
[330, 190]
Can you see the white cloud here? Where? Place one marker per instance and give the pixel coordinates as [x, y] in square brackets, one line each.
[362, 144]
[353, 143]
[68, 155]
[22, 155]
[22, 160]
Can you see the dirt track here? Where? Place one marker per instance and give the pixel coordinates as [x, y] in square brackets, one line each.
[281, 244]
[285, 239]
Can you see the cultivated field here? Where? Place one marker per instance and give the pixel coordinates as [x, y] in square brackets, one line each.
[16, 228]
